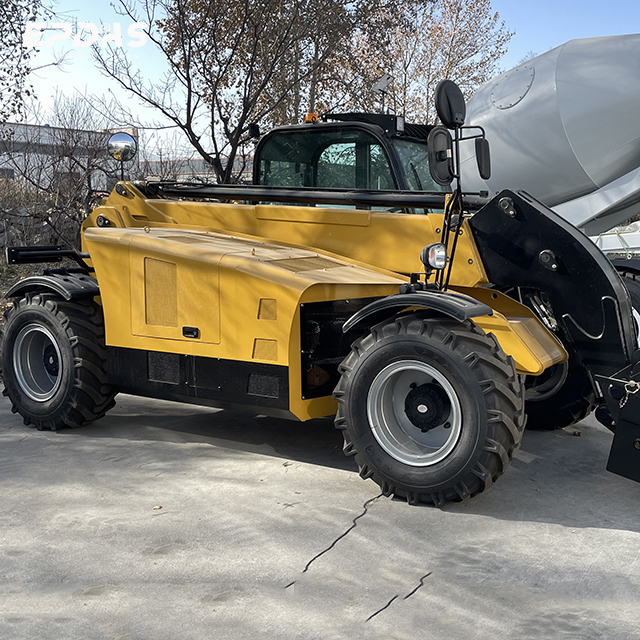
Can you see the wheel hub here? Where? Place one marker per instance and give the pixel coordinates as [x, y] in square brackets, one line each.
[427, 406]
[50, 359]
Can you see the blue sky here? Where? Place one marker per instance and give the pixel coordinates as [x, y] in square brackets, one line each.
[539, 25]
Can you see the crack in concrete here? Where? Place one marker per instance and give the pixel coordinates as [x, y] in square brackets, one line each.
[366, 506]
[386, 606]
[426, 575]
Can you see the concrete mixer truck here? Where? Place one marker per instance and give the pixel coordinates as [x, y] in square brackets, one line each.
[564, 127]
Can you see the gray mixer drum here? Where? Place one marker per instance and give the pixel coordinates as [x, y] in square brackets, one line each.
[565, 127]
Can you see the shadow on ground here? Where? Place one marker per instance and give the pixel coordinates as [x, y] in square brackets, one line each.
[313, 442]
[557, 477]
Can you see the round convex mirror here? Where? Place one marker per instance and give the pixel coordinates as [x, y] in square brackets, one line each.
[122, 146]
[450, 104]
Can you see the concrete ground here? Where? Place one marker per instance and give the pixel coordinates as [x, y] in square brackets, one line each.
[166, 521]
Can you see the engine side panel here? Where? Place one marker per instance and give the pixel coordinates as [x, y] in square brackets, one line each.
[210, 297]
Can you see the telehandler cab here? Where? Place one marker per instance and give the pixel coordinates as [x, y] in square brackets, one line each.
[347, 280]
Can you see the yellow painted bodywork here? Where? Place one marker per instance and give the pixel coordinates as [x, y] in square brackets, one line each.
[519, 332]
[241, 272]
[221, 283]
[378, 239]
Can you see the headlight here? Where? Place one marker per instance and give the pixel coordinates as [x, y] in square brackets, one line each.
[434, 256]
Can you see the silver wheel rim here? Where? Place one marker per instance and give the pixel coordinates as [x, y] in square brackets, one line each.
[37, 362]
[389, 421]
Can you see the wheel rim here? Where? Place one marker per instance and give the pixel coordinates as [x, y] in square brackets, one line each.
[403, 396]
[37, 362]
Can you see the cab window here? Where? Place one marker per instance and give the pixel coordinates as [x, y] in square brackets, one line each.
[414, 159]
[326, 158]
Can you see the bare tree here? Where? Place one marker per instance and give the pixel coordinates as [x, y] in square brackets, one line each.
[231, 63]
[167, 158]
[530, 55]
[235, 62]
[14, 56]
[48, 172]
[462, 40]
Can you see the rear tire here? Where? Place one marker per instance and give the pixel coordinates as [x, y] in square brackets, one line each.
[631, 280]
[432, 409]
[574, 397]
[560, 397]
[53, 361]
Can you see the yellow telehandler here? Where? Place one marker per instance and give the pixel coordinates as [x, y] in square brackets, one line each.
[349, 279]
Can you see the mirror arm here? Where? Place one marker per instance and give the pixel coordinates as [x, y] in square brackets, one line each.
[477, 135]
[456, 147]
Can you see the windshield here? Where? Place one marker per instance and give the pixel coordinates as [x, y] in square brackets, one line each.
[414, 159]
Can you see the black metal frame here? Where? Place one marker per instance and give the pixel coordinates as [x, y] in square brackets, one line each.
[45, 253]
[624, 408]
[360, 197]
[528, 245]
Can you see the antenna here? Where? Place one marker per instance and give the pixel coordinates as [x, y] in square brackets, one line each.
[381, 86]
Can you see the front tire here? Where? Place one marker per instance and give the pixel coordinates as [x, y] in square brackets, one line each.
[53, 361]
[431, 408]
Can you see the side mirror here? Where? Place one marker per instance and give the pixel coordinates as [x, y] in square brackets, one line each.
[450, 104]
[122, 147]
[440, 149]
[483, 158]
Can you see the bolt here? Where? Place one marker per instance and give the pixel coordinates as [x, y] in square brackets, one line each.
[616, 392]
[506, 206]
[422, 408]
[636, 444]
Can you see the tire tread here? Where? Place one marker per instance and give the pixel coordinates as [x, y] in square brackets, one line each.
[90, 397]
[502, 387]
